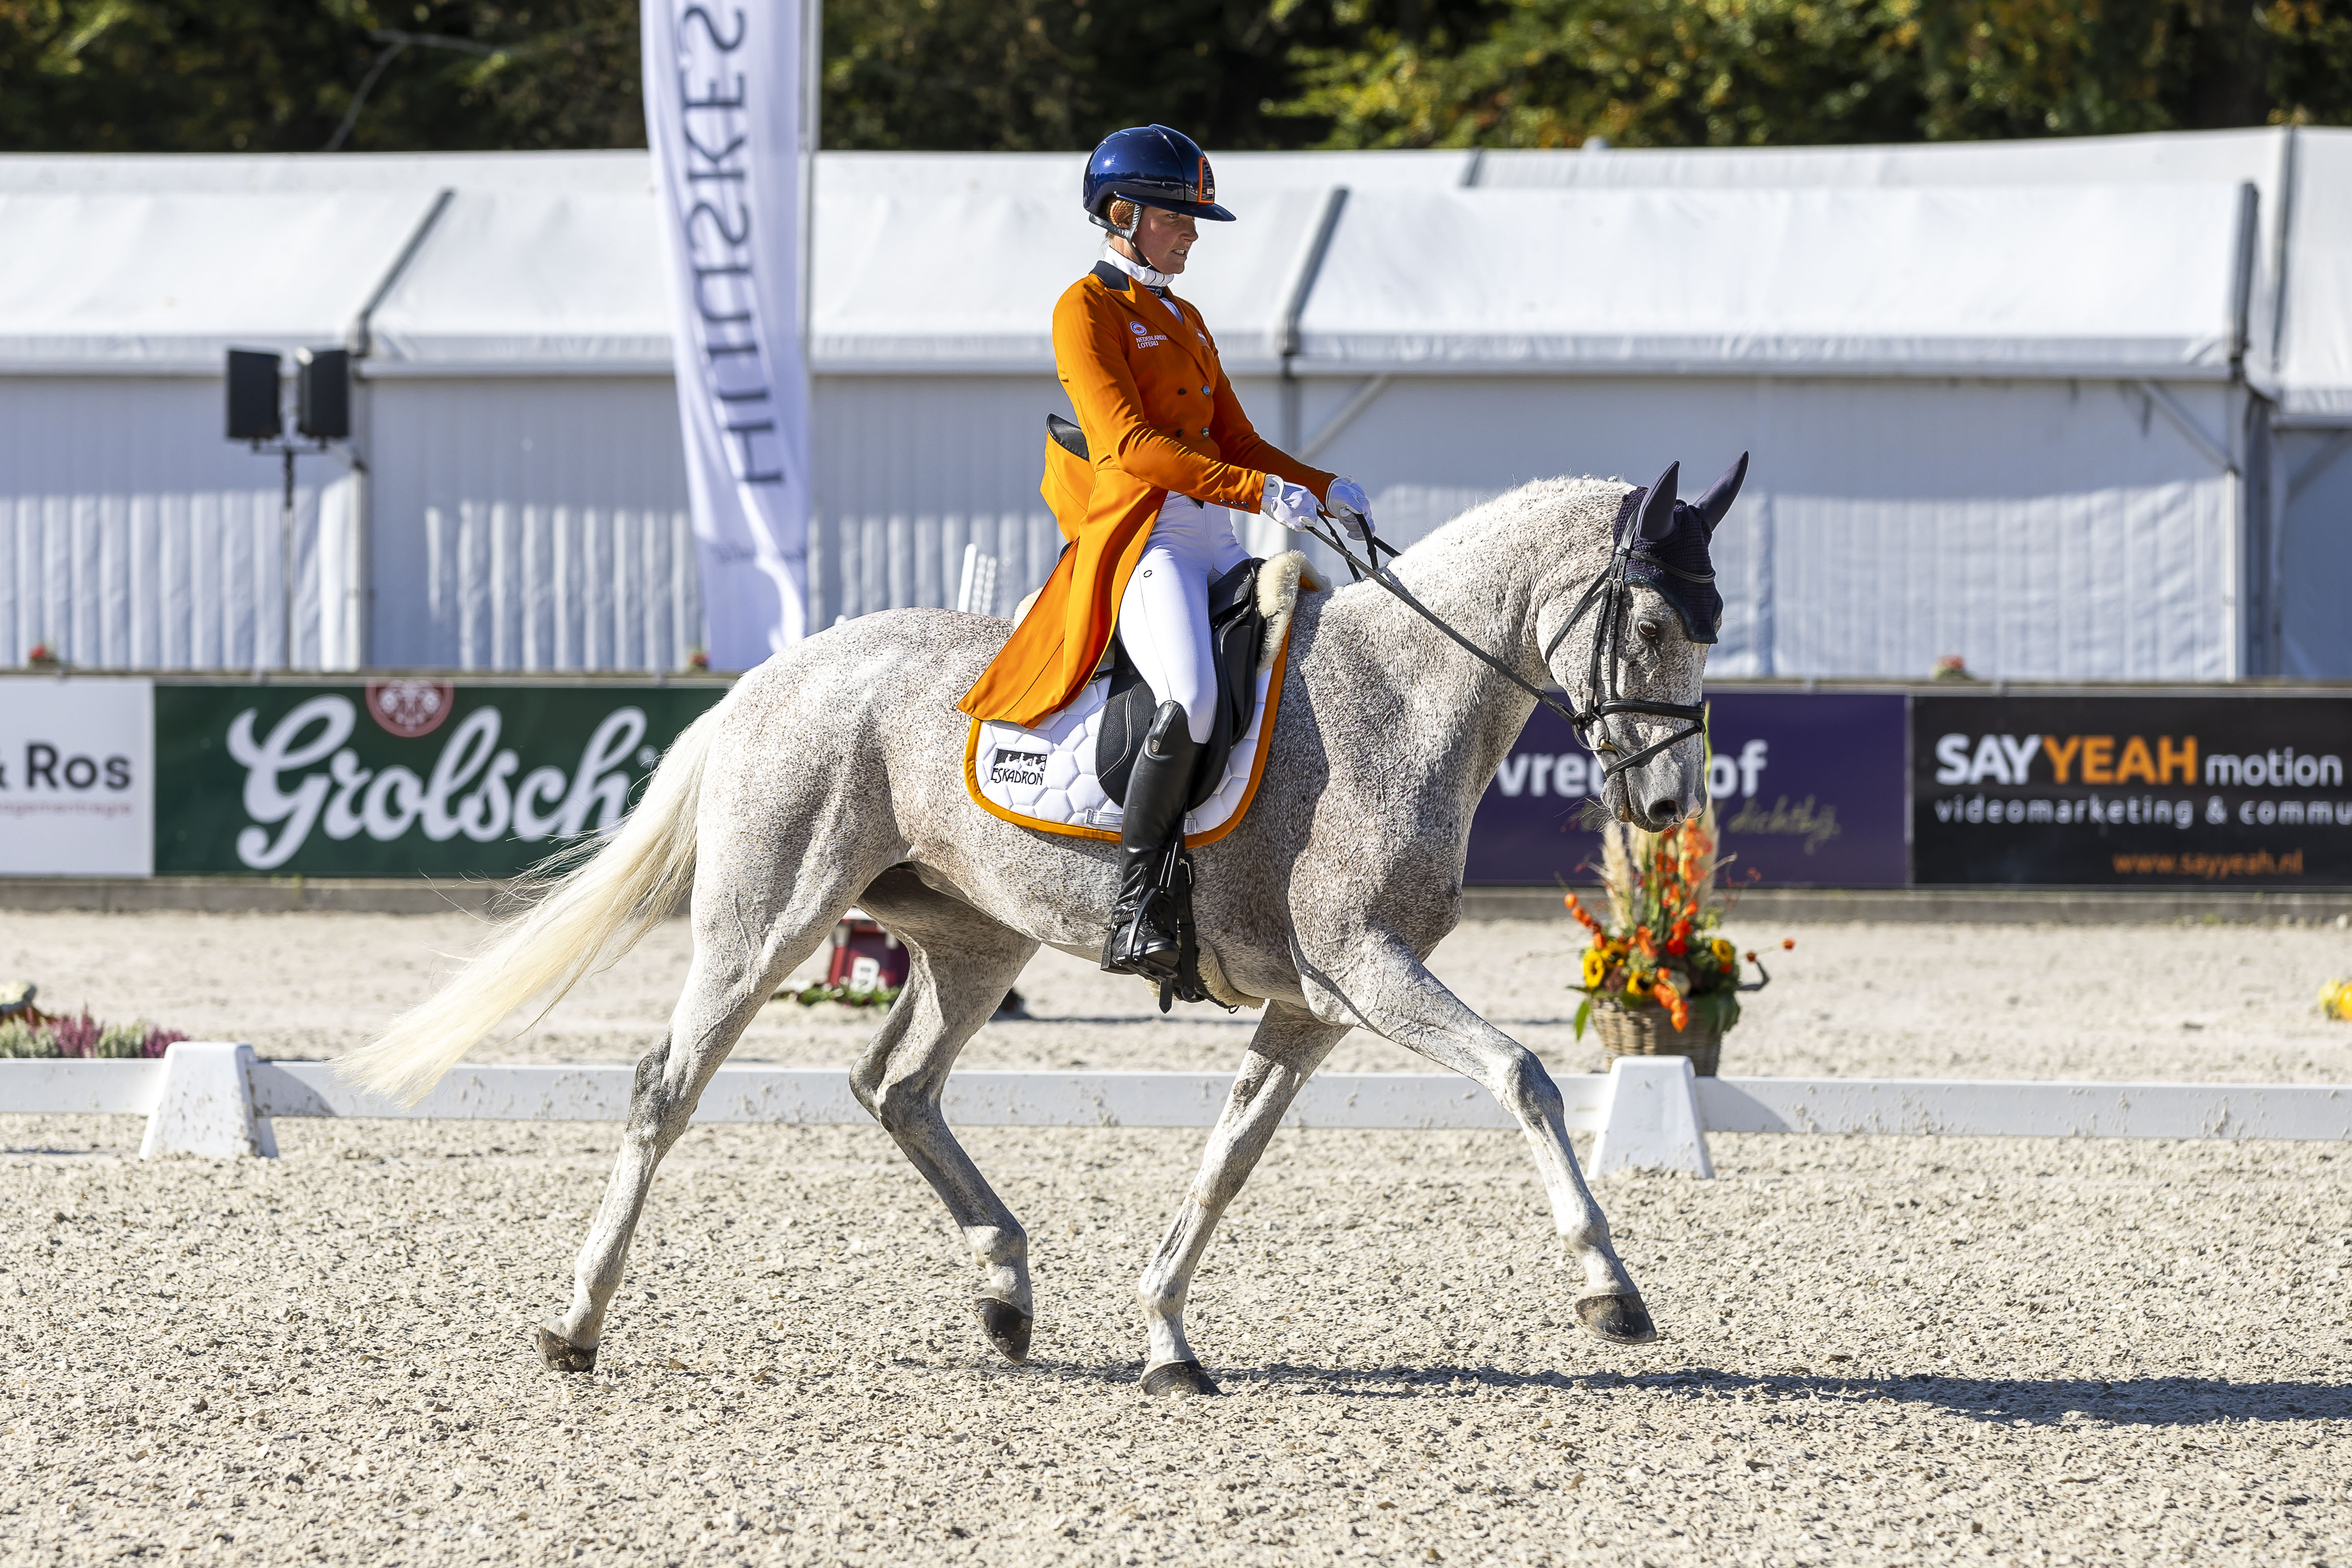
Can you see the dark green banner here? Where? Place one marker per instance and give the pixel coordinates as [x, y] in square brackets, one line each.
[400, 778]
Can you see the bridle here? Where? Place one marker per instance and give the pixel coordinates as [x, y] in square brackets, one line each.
[1612, 593]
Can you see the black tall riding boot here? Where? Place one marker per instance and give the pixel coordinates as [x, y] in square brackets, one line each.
[1144, 938]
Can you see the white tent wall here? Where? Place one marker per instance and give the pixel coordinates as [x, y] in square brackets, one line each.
[2315, 468]
[2313, 471]
[131, 536]
[909, 469]
[1961, 469]
[2038, 529]
[526, 522]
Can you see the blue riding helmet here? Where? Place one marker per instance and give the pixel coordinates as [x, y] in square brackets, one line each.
[1152, 166]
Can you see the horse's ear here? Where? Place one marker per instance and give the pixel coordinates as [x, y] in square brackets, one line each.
[1658, 512]
[1715, 505]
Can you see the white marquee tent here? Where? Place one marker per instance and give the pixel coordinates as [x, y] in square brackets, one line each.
[2069, 409]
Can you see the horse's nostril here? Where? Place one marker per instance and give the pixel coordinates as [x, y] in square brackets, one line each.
[1665, 813]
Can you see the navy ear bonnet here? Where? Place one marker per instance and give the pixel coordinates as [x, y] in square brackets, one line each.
[1670, 547]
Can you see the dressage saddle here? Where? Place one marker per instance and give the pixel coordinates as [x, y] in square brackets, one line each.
[1236, 640]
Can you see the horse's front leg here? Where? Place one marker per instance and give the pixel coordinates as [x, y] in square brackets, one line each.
[1289, 1046]
[1384, 986]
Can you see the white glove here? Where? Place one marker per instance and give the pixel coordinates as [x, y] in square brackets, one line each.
[1293, 506]
[1347, 502]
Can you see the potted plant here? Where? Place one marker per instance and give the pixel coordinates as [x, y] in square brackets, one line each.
[1657, 979]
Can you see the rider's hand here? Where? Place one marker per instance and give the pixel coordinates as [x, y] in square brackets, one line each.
[1293, 506]
[1351, 506]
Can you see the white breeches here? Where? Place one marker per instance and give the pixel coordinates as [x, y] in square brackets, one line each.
[1163, 617]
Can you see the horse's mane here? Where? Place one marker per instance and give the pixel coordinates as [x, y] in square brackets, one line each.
[1534, 502]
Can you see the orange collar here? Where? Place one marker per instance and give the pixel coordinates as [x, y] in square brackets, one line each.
[1130, 297]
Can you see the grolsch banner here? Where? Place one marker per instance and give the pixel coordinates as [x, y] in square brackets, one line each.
[2140, 792]
[723, 120]
[400, 778]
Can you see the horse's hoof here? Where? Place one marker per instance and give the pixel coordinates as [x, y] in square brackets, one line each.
[561, 1355]
[1179, 1380]
[1619, 1319]
[1006, 1326]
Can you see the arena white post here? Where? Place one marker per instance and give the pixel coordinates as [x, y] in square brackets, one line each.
[1650, 1119]
[206, 1105]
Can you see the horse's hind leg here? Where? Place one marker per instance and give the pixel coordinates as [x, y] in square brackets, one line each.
[743, 946]
[961, 964]
[1289, 1046]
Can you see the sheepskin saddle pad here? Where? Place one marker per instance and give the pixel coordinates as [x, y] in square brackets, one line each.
[1069, 773]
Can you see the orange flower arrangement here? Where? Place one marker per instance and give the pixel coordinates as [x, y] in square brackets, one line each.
[1660, 882]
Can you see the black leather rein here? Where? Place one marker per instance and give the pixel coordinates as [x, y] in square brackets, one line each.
[1614, 591]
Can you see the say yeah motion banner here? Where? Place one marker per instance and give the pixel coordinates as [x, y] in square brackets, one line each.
[722, 118]
[2131, 791]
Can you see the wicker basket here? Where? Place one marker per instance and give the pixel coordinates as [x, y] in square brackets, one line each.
[1649, 1032]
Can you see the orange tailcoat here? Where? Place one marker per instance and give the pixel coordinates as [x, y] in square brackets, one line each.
[1160, 416]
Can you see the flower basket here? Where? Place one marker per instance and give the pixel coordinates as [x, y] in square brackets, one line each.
[1657, 979]
[1651, 1032]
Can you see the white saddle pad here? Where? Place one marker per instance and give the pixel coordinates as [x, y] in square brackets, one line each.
[1045, 777]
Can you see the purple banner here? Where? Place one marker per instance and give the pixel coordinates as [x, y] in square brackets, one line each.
[1808, 788]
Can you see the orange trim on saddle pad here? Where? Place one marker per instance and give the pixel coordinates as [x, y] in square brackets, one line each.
[1266, 720]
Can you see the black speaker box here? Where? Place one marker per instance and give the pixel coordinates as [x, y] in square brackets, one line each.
[252, 396]
[322, 394]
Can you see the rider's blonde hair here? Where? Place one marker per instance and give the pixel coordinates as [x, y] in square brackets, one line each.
[1122, 214]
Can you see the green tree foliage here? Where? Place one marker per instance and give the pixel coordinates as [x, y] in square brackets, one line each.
[1017, 75]
[284, 74]
[1550, 73]
[281, 76]
[1534, 73]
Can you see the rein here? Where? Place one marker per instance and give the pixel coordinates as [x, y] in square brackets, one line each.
[1612, 591]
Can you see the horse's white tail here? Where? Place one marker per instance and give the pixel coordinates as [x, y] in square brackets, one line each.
[599, 908]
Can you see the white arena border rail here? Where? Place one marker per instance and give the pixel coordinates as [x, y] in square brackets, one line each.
[219, 1099]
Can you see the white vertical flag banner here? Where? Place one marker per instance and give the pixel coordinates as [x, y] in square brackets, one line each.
[723, 119]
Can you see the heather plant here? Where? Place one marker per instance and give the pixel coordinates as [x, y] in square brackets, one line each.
[50, 1037]
[73, 1037]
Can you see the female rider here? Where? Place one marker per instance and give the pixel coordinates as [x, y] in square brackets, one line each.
[1166, 441]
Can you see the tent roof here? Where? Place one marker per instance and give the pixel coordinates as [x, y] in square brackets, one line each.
[95, 174]
[2098, 279]
[2193, 157]
[2111, 256]
[2315, 340]
[167, 282]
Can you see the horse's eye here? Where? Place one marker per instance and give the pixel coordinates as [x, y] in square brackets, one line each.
[1650, 631]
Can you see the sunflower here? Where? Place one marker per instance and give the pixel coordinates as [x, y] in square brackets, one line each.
[1596, 967]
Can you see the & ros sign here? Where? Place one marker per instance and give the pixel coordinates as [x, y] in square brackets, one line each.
[400, 778]
[2131, 791]
[77, 776]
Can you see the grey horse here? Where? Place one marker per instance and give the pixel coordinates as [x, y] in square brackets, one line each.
[832, 775]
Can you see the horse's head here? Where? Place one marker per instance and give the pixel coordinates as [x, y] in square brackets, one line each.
[1638, 649]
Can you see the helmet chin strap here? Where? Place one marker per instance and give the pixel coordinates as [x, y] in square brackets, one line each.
[1142, 272]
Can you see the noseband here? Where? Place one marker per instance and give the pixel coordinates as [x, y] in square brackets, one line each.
[1612, 594]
